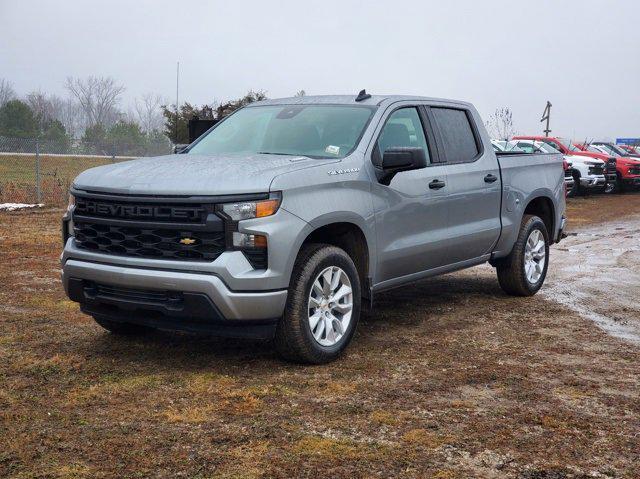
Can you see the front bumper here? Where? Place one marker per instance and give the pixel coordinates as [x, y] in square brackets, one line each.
[171, 299]
[593, 181]
[632, 181]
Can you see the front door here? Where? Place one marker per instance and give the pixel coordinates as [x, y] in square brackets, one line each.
[411, 212]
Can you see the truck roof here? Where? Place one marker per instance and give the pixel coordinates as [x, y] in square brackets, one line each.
[351, 100]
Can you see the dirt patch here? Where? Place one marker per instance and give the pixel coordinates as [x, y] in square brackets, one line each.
[449, 378]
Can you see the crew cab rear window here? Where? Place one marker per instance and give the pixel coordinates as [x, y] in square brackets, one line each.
[456, 132]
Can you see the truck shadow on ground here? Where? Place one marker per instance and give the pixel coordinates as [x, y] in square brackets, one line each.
[435, 305]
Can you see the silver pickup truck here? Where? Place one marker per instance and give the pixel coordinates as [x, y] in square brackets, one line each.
[287, 217]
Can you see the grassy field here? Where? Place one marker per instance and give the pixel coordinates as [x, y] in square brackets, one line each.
[448, 378]
[18, 176]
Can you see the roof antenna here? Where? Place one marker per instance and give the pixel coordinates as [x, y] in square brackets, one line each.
[363, 95]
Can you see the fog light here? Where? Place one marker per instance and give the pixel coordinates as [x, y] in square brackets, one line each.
[243, 240]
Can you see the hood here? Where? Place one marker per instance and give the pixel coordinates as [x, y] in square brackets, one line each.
[628, 161]
[584, 159]
[193, 174]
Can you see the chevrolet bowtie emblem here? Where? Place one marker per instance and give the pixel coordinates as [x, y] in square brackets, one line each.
[187, 241]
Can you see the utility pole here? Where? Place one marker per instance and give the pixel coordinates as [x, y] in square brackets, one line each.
[546, 115]
[177, 98]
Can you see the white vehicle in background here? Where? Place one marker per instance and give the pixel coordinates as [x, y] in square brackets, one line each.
[502, 145]
[512, 147]
[588, 173]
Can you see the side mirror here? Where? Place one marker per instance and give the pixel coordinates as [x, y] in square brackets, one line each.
[401, 158]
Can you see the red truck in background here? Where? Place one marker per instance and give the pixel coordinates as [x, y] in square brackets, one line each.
[634, 151]
[627, 165]
[568, 148]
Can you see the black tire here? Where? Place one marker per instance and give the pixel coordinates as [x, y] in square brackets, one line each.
[122, 329]
[294, 339]
[615, 187]
[576, 188]
[511, 271]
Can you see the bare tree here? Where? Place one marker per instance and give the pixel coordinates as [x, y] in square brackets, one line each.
[7, 93]
[98, 98]
[41, 107]
[300, 93]
[148, 113]
[500, 124]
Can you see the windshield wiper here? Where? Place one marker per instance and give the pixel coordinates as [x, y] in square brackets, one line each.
[272, 153]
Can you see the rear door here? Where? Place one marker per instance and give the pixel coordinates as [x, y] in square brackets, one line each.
[473, 183]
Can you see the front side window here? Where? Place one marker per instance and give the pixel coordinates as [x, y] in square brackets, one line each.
[316, 131]
[457, 134]
[403, 128]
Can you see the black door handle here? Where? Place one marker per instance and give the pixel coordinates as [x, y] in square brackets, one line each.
[436, 184]
[490, 178]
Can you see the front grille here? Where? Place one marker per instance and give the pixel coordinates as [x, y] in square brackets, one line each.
[155, 228]
[611, 166]
[168, 230]
[596, 170]
[148, 242]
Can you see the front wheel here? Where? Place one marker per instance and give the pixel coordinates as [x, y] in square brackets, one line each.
[616, 186]
[523, 272]
[323, 306]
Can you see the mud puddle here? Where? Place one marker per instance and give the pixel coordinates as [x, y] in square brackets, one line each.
[596, 273]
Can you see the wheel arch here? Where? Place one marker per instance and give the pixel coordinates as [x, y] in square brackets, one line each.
[349, 235]
[543, 207]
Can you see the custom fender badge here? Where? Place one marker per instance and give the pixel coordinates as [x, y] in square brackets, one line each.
[343, 172]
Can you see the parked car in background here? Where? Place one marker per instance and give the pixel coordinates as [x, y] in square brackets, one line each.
[615, 150]
[568, 148]
[634, 150]
[289, 215]
[627, 168]
[587, 173]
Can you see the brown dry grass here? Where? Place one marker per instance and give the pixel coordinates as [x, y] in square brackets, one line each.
[449, 378]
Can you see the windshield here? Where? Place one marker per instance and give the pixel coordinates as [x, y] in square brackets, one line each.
[547, 147]
[316, 131]
[609, 149]
[568, 145]
[617, 150]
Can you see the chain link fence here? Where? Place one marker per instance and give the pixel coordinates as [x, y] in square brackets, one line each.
[39, 171]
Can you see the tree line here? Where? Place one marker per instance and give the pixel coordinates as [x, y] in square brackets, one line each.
[91, 117]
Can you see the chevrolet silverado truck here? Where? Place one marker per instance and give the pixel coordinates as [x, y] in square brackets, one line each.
[286, 218]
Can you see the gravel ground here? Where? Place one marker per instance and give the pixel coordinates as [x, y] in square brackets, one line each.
[448, 378]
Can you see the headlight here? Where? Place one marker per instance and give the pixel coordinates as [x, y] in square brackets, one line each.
[251, 209]
[72, 202]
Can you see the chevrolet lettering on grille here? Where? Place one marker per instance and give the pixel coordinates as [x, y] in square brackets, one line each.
[138, 211]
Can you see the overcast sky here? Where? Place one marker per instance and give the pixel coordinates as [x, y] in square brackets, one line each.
[583, 56]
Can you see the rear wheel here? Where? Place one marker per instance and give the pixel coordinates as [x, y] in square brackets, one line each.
[323, 306]
[122, 329]
[523, 272]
